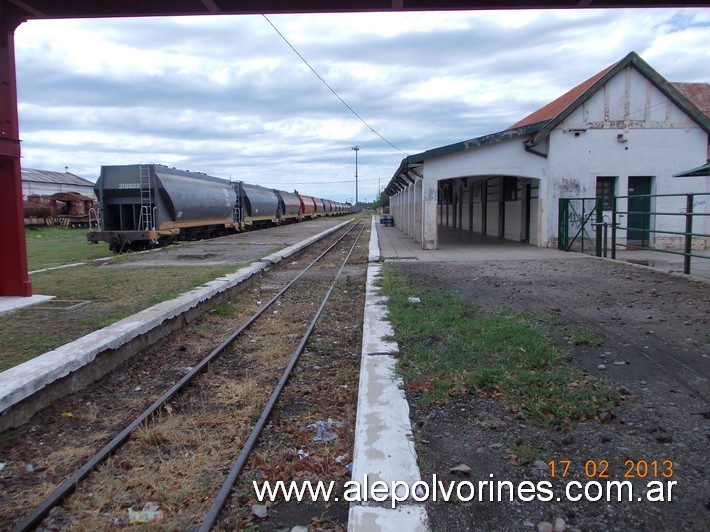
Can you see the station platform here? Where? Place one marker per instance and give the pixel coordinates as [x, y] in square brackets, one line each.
[458, 245]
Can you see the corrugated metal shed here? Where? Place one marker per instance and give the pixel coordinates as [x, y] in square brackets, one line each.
[62, 178]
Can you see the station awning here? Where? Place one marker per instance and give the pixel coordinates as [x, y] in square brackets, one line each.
[703, 170]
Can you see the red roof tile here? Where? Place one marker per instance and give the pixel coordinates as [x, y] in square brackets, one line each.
[697, 93]
[555, 107]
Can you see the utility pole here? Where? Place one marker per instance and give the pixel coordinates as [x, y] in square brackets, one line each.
[356, 148]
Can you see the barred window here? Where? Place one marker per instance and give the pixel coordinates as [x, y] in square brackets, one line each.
[605, 190]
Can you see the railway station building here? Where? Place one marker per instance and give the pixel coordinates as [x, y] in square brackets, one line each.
[625, 131]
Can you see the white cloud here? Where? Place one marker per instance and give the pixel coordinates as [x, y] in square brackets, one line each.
[227, 96]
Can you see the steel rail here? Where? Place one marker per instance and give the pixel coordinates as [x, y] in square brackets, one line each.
[241, 460]
[69, 485]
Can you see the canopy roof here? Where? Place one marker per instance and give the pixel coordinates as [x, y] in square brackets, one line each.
[44, 9]
[703, 170]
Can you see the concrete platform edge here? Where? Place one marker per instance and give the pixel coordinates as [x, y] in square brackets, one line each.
[403, 518]
[12, 303]
[384, 450]
[22, 381]
[287, 252]
[374, 249]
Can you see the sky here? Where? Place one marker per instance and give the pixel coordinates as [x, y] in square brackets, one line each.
[227, 96]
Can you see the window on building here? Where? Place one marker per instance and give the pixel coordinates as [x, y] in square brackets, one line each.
[605, 190]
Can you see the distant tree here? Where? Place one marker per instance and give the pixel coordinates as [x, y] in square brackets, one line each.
[382, 201]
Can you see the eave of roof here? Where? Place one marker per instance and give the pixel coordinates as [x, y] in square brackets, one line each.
[477, 142]
[442, 151]
[471, 144]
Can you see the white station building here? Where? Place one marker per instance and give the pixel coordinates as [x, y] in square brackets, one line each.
[625, 131]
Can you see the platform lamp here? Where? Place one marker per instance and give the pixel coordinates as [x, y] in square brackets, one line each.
[356, 148]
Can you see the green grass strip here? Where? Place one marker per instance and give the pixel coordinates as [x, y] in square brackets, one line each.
[49, 247]
[113, 292]
[449, 346]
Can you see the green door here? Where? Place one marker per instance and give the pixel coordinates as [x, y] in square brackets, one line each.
[639, 211]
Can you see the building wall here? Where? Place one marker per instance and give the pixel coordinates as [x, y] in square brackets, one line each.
[503, 158]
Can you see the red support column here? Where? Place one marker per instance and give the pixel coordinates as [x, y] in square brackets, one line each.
[14, 280]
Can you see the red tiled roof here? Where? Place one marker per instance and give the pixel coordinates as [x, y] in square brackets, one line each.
[697, 93]
[555, 107]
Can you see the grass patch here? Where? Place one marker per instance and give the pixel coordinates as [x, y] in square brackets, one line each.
[48, 247]
[450, 347]
[586, 337]
[114, 293]
[525, 452]
[226, 308]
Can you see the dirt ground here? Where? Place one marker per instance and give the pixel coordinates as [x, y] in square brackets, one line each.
[656, 352]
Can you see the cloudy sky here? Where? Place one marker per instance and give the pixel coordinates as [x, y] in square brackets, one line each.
[227, 95]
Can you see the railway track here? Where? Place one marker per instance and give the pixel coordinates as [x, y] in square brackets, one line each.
[200, 431]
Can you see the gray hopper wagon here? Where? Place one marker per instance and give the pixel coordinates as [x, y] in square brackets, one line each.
[143, 206]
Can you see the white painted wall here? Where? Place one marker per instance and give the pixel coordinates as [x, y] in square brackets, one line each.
[534, 220]
[575, 163]
[513, 220]
[504, 158]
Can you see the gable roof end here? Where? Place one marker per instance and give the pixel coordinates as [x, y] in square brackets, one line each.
[571, 100]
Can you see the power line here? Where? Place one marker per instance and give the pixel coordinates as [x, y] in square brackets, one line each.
[291, 183]
[331, 88]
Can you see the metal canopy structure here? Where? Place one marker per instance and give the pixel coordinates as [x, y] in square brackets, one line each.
[42, 9]
[14, 279]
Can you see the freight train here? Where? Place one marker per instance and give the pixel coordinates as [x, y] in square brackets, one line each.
[148, 205]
